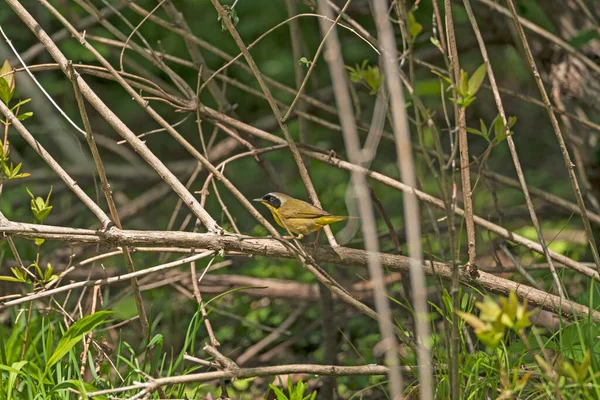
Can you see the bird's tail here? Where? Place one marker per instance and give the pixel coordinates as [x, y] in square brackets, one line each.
[330, 219]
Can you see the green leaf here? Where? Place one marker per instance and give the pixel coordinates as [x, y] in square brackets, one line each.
[8, 75]
[37, 269]
[466, 101]
[290, 386]
[477, 79]
[12, 377]
[81, 387]
[158, 338]
[48, 273]
[304, 61]
[7, 84]
[16, 169]
[5, 92]
[414, 28]
[583, 368]
[48, 197]
[444, 77]
[373, 78]
[480, 133]
[25, 115]
[484, 129]
[41, 216]
[299, 391]
[584, 37]
[436, 43]
[19, 274]
[499, 131]
[74, 334]
[463, 89]
[9, 278]
[280, 395]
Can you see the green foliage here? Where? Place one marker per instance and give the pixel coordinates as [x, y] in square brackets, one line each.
[468, 87]
[7, 83]
[231, 14]
[74, 334]
[295, 392]
[8, 170]
[369, 76]
[43, 371]
[583, 37]
[39, 207]
[304, 61]
[414, 28]
[512, 370]
[501, 131]
[495, 319]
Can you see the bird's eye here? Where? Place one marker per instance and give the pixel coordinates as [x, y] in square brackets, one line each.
[272, 200]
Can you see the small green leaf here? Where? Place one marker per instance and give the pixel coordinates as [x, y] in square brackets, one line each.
[444, 77]
[8, 75]
[463, 89]
[5, 92]
[7, 82]
[436, 43]
[499, 131]
[477, 79]
[20, 275]
[466, 101]
[48, 197]
[12, 377]
[414, 28]
[10, 279]
[16, 169]
[480, 133]
[280, 395]
[584, 37]
[304, 61]
[23, 175]
[41, 216]
[48, 273]
[158, 338]
[25, 115]
[38, 269]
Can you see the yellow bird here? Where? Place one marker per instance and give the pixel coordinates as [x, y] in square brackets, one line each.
[296, 215]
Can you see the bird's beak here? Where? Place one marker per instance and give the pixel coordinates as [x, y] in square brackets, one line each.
[258, 200]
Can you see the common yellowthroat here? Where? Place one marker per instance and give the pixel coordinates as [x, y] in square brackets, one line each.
[296, 215]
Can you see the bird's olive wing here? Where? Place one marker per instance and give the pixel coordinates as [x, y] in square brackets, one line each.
[294, 208]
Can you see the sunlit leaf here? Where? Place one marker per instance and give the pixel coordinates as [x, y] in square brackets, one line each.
[414, 28]
[477, 79]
